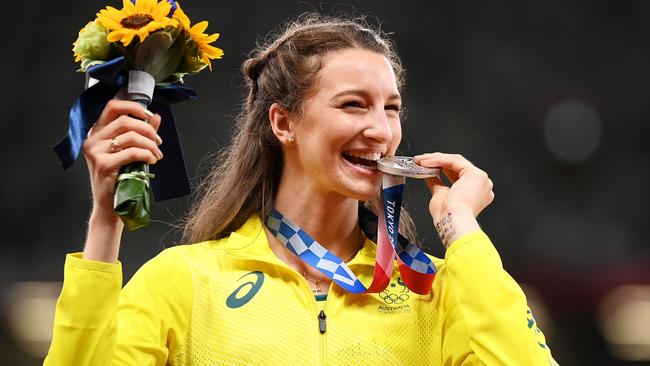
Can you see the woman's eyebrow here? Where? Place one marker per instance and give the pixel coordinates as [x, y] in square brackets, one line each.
[362, 93]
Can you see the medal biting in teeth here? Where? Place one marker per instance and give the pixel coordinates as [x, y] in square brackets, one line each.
[405, 166]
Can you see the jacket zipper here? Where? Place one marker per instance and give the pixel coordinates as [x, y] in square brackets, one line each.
[322, 329]
[321, 318]
[322, 322]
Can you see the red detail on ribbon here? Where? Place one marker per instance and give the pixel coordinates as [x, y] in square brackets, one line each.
[384, 259]
[420, 283]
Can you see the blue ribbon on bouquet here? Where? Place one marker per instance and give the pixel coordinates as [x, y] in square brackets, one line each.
[171, 175]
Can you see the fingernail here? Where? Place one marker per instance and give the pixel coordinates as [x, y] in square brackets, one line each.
[158, 139]
[160, 155]
[148, 113]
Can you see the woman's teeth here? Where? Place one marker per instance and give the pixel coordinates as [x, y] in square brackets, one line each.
[366, 156]
[363, 160]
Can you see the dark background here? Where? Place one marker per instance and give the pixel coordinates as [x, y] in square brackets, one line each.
[549, 97]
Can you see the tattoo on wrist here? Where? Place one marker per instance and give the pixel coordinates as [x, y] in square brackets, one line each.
[446, 230]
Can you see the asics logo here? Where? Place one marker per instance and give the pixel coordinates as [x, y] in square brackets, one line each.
[249, 289]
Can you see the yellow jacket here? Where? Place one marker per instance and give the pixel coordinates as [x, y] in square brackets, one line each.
[233, 302]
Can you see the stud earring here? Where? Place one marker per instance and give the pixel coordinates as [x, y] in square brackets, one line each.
[290, 140]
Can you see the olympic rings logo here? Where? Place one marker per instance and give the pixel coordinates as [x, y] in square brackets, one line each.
[393, 298]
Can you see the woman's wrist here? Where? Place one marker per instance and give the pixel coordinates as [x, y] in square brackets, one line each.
[453, 224]
[103, 238]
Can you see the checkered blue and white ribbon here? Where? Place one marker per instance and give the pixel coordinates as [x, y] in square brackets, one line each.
[416, 268]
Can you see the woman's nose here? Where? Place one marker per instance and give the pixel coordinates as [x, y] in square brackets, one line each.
[379, 128]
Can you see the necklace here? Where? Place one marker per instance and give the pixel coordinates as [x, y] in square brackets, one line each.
[312, 281]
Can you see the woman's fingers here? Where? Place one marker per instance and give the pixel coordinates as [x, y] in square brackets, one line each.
[125, 124]
[453, 165]
[122, 134]
[470, 190]
[154, 120]
[125, 141]
[451, 175]
[435, 184]
[109, 163]
[452, 162]
[116, 108]
[130, 155]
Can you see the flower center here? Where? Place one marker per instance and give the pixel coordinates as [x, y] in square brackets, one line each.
[136, 21]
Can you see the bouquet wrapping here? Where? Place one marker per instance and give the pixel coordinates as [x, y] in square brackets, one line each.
[141, 53]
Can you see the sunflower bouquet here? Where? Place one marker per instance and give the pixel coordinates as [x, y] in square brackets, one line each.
[154, 36]
[140, 52]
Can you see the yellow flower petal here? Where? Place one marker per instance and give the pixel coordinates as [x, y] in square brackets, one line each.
[128, 7]
[152, 5]
[141, 6]
[212, 52]
[143, 33]
[162, 9]
[206, 61]
[179, 14]
[114, 36]
[212, 38]
[154, 26]
[126, 39]
[113, 13]
[199, 27]
[109, 23]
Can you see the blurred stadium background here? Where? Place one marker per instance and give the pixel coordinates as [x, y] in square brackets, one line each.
[550, 97]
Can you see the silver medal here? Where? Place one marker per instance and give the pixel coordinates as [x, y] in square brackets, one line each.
[405, 166]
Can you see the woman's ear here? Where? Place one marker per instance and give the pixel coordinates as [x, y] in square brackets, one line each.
[281, 124]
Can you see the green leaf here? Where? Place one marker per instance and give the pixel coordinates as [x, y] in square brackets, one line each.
[86, 63]
[133, 197]
[160, 54]
[123, 51]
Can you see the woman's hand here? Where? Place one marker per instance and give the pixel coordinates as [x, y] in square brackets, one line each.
[118, 137]
[454, 209]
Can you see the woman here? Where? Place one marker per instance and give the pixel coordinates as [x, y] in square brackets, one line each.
[323, 105]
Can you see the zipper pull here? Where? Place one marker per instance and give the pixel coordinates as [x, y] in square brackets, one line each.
[322, 324]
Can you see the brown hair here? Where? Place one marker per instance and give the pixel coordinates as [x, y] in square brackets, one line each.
[281, 70]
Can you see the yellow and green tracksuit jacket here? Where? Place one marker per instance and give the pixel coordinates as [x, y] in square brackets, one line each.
[233, 302]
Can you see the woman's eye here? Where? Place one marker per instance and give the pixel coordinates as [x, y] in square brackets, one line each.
[352, 105]
[393, 107]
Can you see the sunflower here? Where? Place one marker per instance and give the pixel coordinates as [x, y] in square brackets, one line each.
[202, 40]
[139, 19]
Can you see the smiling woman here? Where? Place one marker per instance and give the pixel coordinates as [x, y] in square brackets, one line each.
[352, 114]
[289, 93]
[261, 287]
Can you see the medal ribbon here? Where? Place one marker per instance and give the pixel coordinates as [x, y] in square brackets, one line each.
[416, 268]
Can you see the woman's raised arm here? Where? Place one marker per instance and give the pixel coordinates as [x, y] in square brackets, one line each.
[118, 137]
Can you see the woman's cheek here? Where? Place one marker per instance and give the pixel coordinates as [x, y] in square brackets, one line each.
[397, 137]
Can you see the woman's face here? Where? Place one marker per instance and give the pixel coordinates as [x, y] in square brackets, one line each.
[350, 119]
